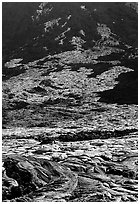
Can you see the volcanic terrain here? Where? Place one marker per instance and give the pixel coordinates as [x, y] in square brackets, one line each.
[70, 102]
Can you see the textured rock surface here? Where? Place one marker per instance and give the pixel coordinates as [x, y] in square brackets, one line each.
[91, 170]
[70, 95]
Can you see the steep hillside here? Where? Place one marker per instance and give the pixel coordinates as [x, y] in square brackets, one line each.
[51, 26]
[73, 55]
[70, 101]
[16, 25]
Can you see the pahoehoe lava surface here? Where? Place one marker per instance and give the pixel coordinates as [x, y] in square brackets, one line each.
[70, 102]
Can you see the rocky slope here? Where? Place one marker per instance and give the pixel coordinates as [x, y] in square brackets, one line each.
[34, 26]
[70, 97]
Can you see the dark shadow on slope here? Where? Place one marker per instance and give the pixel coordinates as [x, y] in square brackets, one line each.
[98, 68]
[10, 72]
[125, 92]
